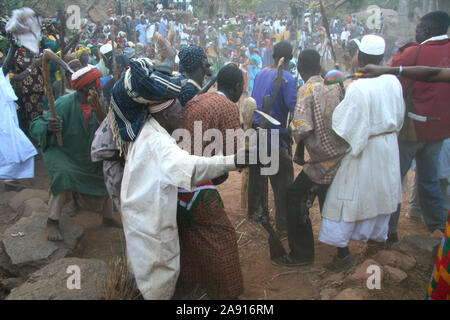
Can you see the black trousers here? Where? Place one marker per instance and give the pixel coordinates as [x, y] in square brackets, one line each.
[280, 182]
[300, 233]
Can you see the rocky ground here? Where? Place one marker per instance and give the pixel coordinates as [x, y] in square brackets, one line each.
[33, 268]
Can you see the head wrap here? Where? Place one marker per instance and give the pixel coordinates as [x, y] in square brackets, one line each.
[129, 52]
[160, 107]
[138, 89]
[81, 50]
[86, 76]
[191, 58]
[139, 48]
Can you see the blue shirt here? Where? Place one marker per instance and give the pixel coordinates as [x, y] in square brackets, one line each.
[142, 28]
[162, 29]
[284, 102]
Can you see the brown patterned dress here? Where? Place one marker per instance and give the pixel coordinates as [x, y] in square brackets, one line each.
[30, 90]
[208, 249]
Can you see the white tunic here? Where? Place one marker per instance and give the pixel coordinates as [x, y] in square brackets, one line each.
[367, 186]
[16, 150]
[155, 168]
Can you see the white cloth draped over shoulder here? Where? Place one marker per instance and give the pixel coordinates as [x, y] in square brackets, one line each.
[367, 185]
[156, 167]
[16, 150]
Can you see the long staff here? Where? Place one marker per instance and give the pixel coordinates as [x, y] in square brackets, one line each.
[48, 56]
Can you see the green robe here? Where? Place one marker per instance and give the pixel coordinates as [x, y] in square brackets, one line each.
[70, 167]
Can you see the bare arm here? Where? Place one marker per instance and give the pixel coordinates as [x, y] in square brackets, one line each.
[419, 73]
[9, 60]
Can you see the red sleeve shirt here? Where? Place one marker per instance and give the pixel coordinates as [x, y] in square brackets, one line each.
[430, 99]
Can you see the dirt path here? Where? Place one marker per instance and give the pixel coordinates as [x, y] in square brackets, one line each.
[262, 280]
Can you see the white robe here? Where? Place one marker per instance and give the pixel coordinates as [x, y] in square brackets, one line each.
[155, 168]
[367, 186]
[16, 150]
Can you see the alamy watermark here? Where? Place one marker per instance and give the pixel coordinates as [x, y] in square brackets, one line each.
[212, 142]
[74, 280]
[374, 20]
[73, 21]
[374, 280]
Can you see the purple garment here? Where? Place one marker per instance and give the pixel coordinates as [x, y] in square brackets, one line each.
[284, 102]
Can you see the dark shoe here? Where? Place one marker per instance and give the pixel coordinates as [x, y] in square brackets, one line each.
[340, 264]
[255, 217]
[287, 261]
[12, 185]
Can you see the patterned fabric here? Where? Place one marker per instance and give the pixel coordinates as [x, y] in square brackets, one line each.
[191, 58]
[312, 121]
[139, 87]
[85, 77]
[81, 50]
[30, 90]
[188, 92]
[439, 287]
[104, 149]
[215, 111]
[187, 201]
[209, 252]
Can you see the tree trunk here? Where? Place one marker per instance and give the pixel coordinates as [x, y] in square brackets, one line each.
[405, 25]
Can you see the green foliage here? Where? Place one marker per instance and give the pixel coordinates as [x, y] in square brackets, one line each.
[7, 6]
[245, 4]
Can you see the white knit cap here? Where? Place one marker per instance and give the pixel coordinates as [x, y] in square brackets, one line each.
[104, 49]
[372, 45]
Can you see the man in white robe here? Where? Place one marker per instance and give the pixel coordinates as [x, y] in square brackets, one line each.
[156, 167]
[16, 150]
[367, 187]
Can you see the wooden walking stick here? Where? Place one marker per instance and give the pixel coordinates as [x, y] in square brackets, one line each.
[327, 30]
[62, 36]
[97, 107]
[248, 113]
[48, 56]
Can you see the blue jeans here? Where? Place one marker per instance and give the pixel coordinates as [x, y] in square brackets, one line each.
[430, 195]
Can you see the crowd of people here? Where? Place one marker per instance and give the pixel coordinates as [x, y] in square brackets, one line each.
[121, 91]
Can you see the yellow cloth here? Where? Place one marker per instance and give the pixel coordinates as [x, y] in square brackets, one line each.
[278, 37]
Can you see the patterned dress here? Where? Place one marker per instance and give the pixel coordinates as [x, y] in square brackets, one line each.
[439, 287]
[208, 247]
[30, 90]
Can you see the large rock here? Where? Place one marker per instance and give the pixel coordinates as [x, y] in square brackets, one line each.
[328, 293]
[334, 279]
[395, 275]
[51, 282]
[422, 247]
[7, 215]
[27, 247]
[361, 274]
[10, 283]
[32, 205]
[27, 194]
[5, 197]
[352, 294]
[395, 259]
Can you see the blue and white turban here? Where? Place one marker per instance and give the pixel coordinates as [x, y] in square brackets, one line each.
[138, 89]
